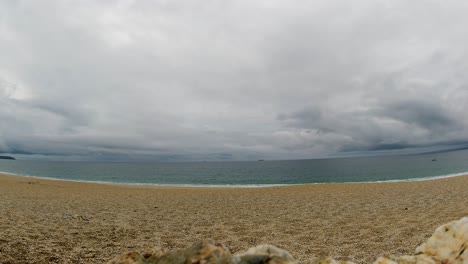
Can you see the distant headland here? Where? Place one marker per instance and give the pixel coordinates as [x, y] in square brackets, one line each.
[7, 158]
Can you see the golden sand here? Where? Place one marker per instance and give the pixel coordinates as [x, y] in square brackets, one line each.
[48, 221]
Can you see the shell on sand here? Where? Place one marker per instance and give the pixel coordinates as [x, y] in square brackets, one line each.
[330, 260]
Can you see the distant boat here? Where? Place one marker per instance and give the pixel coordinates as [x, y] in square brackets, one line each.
[434, 159]
[261, 160]
[7, 157]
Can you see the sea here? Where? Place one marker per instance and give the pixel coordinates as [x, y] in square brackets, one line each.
[250, 173]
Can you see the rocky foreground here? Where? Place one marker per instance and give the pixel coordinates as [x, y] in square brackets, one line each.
[446, 246]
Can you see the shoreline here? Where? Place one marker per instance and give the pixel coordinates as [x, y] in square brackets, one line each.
[229, 186]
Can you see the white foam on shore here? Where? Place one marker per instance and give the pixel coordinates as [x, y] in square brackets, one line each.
[429, 178]
[156, 184]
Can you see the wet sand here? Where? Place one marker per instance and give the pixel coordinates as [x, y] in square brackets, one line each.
[47, 221]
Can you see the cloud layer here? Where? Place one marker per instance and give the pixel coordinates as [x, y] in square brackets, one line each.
[231, 80]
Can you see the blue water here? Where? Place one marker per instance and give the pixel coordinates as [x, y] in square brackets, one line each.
[364, 169]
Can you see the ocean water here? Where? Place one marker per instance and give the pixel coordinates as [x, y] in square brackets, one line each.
[251, 173]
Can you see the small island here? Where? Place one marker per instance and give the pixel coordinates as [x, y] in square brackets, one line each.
[7, 158]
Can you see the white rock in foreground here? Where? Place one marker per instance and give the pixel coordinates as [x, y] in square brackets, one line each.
[448, 245]
[266, 250]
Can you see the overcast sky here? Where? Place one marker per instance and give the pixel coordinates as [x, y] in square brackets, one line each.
[231, 80]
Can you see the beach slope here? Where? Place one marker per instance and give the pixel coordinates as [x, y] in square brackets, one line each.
[48, 221]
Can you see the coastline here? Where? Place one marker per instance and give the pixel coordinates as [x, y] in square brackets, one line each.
[67, 222]
[175, 185]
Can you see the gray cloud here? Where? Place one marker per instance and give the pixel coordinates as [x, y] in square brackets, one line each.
[184, 80]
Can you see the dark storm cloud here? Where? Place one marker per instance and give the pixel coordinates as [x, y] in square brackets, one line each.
[430, 116]
[185, 80]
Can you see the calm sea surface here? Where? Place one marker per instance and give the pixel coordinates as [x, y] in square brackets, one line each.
[368, 169]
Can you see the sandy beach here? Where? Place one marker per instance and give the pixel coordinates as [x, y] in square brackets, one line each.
[48, 221]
